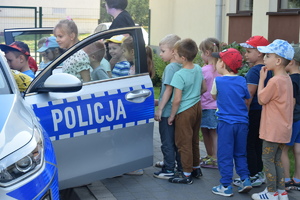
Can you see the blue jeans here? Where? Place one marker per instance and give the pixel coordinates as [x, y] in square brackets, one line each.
[232, 142]
[168, 147]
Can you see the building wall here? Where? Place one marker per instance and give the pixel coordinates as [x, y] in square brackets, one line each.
[85, 14]
[190, 18]
[197, 19]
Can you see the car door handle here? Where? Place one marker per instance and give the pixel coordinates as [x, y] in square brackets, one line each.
[138, 96]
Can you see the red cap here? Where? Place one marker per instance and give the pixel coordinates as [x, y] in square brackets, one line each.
[255, 41]
[16, 46]
[231, 57]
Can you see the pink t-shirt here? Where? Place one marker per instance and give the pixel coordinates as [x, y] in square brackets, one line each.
[277, 110]
[210, 73]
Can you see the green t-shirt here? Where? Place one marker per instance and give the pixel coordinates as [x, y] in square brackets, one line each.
[190, 82]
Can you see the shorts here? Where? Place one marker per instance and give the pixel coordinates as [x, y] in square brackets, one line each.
[295, 134]
[209, 119]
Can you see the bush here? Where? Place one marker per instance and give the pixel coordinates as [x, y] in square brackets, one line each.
[160, 65]
[245, 67]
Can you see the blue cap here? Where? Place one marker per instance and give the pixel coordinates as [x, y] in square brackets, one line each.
[280, 47]
[50, 43]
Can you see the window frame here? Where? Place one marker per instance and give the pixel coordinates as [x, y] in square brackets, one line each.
[242, 11]
[279, 9]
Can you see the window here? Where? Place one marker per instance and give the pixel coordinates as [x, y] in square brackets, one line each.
[288, 5]
[244, 5]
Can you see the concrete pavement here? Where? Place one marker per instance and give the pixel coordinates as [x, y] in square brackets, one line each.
[146, 187]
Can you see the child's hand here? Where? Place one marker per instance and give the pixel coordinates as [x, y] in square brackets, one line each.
[171, 120]
[263, 73]
[155, 102]
[157, 116]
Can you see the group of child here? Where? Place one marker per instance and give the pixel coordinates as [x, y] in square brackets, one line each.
[247, 122]
[86, 64]
[244, 121]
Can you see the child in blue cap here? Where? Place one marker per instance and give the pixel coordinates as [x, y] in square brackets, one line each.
[277, 103]
[50, 50]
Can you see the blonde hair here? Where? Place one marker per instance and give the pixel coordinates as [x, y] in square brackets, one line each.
[69, 26]
[128, 43]
[212, 45]
[169, 40]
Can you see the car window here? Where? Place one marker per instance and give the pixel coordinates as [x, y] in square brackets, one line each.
[32, 40]
[4, 89]
[102, 59]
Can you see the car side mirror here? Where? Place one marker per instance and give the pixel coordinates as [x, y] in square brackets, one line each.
[61, 82]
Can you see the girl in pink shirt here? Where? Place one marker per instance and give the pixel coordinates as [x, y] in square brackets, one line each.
[209, 120]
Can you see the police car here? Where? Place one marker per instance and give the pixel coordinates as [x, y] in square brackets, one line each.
[98, 129]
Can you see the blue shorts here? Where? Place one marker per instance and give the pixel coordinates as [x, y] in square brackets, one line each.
[209, 119]
[295, 134]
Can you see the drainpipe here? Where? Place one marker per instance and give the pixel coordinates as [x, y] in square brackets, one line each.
[218, 23]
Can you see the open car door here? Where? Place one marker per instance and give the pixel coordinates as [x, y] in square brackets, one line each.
[101, 128]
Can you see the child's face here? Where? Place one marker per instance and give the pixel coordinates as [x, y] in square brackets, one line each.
[166, 53]
[129, 55]
[63, 39]
[270, 60]
[115, 50]
[252, 55]
[49, 54]
[204, 55]
[13, 61]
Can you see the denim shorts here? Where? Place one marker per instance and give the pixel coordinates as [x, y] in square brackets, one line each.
[209, 119]
[295, 134]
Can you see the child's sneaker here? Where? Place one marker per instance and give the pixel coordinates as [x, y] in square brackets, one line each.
[164, 174]
[203, 159]
[296, 185]
[237, 182]
[181, 178]
[283, 196]
[265, 195]
[262, 177]
[245, 186]
[255, 181]
[221, 190]
[210, 163]
[159, 164]
[197, 173]
[289, 185]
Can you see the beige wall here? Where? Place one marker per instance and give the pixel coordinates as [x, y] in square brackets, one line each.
[197, 18]
[190, 18]
[260, 19]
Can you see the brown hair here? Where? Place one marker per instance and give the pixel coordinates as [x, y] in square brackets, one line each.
[212, 45]
[150, 62]
[187, 48]
[96, 49]
[128, 43]
[284, 61]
